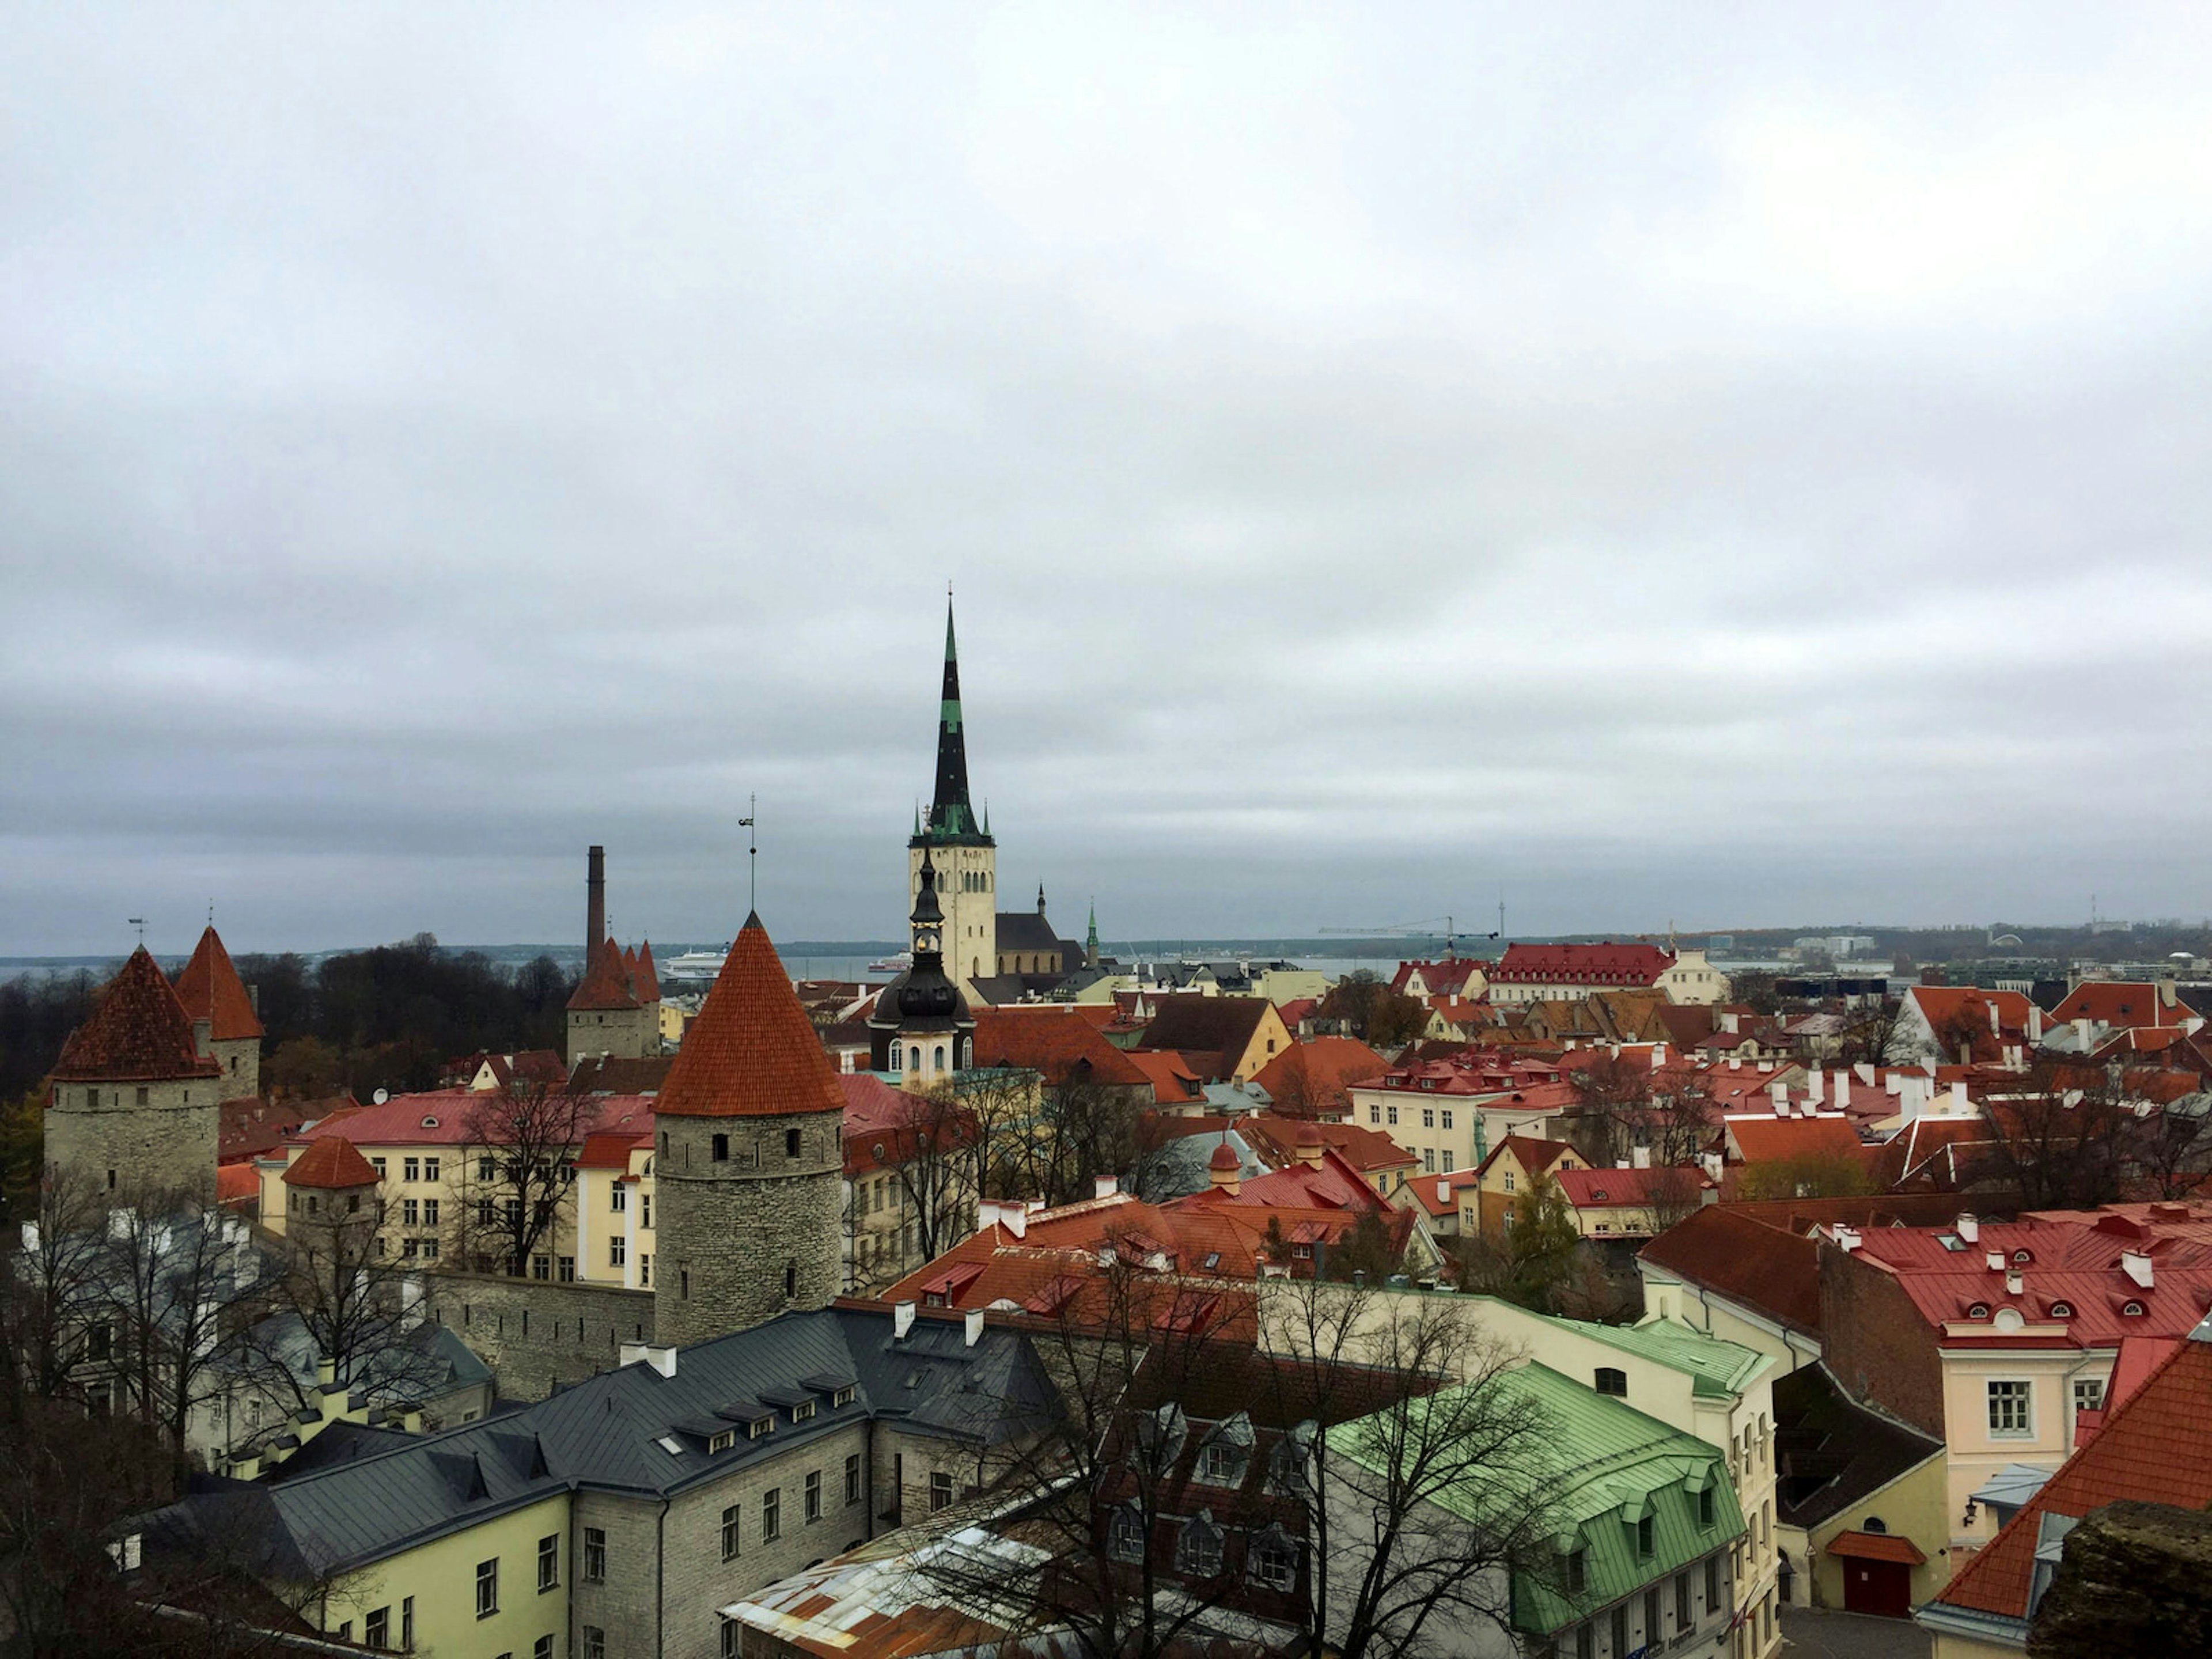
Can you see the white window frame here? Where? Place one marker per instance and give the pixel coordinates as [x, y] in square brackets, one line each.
[2026, 1402]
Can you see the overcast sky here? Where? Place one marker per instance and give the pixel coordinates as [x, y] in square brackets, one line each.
[1732, 466]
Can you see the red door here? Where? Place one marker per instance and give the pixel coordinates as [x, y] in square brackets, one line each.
[1882, 1588]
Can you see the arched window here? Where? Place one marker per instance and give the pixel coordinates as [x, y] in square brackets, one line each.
[913, 1060]
[1612, 1381]
[894, 1058]
[937, 1057]
[1876, 1524]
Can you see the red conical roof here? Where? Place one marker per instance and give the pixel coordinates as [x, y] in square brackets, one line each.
[211, 990]
[606, 982]
[1224, 1158]
[332, 1161]
[138, 1032]
[647, 982]
[750, 1052]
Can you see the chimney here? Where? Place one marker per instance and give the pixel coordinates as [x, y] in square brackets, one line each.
[1104, 1186]
[661, 1359]
[901, 1320]
[2136, 1264]
[1814, 1085]
[1842, 1090]
[1993, 1260]
[1713, 1163]
[203, 1038]
[1735, 1062]
[1658, 1055]
[1639, 1157]
[1959, 1098]
[1968, 1227]
[595, 903]
[974, 1322]
[326, 1373]
[1996, 1027]
[1015, 1219]
[1780, 1094]
[2013, 1286]
[1847, 1238]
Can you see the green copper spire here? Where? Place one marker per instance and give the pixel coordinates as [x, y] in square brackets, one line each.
[951, 814]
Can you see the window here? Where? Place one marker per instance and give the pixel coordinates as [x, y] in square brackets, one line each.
[644, 1204]
[1223, 1464]
[1651, 1617]
[1646, 1538]
[730, 1533]
[814, 1494]
[1124, 1535]
[1612, 1381]
[407, 1622]
[802, 1411]
[377, 1165]
[1577, 1572]
[1374, 1114]
[595, 1642]
[722, 1442]
[376, 1629]
[99, 1341]
[1274, 1562]
[759, 1426]
[564, 1269]
[541, 1266]
[1429, 1160]
[732, 1634]
[595, 1555]
[2008, 1409]
[429, 1211]
[1509, 1181]
[429, 1169]
[487, 1216]
[487, 1168]
[771, 1514]
[410, 1169]
[618, 1197]
[790, 1280]
[790, 1136]
[2088, 1393]
[549, 1562]
[940, 1490]
[1684, 1616]
[1428, 1117]
[852, 1478]
[1448, 1161]
[1394, 1117]
[409, 1247]
[1705, 1506]
[644, 1270]
[430, 1248]
[722, 1149]
[1620, 1629]
[1200, 1553]
[1585, 1642]
[1712, 1582]
[542, 1648]
[487, 1587]
[618, 1251]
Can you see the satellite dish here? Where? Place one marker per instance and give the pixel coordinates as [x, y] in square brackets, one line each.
[381, 1095]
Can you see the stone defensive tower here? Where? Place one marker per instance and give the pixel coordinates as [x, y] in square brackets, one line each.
[749, 1157]
[211, 991]
[136, 1092]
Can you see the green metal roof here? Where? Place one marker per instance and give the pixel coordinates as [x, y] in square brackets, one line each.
[1612, 1464]
[1718, 1367]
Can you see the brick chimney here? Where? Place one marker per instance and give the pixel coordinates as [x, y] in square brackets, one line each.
[595, 903]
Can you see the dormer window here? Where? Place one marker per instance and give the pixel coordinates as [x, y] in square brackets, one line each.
[722, 1442]
[2021, 1258]
[759, 1426]
[1979, 1311]
[2133, 1309]
[2062, 1310]
[802, 1411]
[843, 1397]
[1612, 1380]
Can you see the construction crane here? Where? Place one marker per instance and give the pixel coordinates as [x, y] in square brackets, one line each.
[1424, 928]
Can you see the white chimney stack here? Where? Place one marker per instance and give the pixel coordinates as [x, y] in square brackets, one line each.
[1958, 1106]
[2136, 1264]
[902, 1318]
[1813, 1085]
[1843, 1091]
[1994, 1261]
[1015, 1219]
[1780, 1094]
[1105, 1186]
[1658, 1055]
[1969, 1228]
[975, 1325]
[1847, 1238]
[2013, 1286]
[1444, 1192]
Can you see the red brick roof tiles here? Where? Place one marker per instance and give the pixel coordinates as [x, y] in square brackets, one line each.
[646, 983]
[1767, 1139]
[1603, 1189]
[1768, 1269]
[752, 1051]
[138, 1032]
[1581, 965]
[606, 985]
[1057, 1043]
[332, 1160]
[2155, 1448]
[210, 989]
[1311, 1076]
[1174, 1083]
[2118, 1003]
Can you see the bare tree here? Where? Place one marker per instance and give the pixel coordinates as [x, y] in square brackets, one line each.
[46, 1286]
[517, 1170]
[2169, 1149]
[2064, 1137]
[926, 1153]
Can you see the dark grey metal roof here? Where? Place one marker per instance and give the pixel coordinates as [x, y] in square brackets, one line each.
[606, 1432]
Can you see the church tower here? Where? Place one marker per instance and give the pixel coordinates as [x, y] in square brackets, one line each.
[960, 851]
[921, 1031]
[749, 1160]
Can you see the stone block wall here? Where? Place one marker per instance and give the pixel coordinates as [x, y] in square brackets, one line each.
[127, 1137]
[623, 1033]
[240, 1060]
[536, 1333]
[743, 1237]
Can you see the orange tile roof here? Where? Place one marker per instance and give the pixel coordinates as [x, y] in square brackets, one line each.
[332, 1160]
[138, 1032]
[646, 983]
[1312, 1076]
[1174, 1083]
[1766, 1268]
[210, 989]
[1876, 1547]
[2154, 1448]
[751, 1052]
[1054, 1040]
[2118, 1003]
[1765, 1139]
[237, 1184]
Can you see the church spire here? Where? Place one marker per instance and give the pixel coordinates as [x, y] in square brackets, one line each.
[951, 811]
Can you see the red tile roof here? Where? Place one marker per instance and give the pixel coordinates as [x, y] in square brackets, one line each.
[452, 1117]
[210, 989]
[751, 1052]
[1765, 1139]
[1618, 1189]
[647, 980]
[1876, 1547]
[1532, 1153]
[1365, 1150]
[1721, 1250]
[2117, 1003]
[1581, 965]
[1174, 1083]
[610, 1149]
[138, 1032]
[2155, 1448]
[1219, 1030]
[610, 982]
[237, 1184]
[333, 1161]
[1057, 1043]
[1310, 1077]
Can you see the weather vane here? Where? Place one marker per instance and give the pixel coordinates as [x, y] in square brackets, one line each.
[752, 854]
[139, 922]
